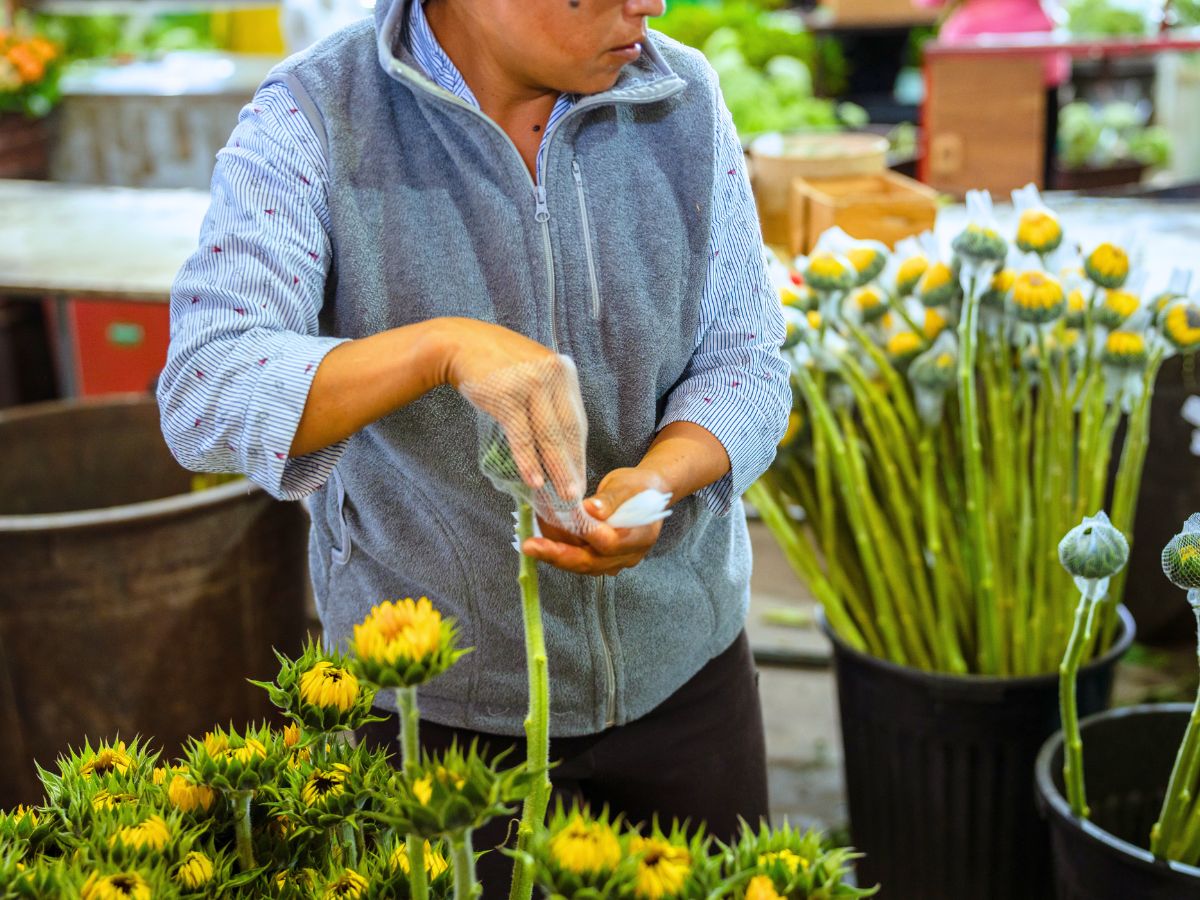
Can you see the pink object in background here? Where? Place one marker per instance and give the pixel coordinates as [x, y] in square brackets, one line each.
[975, 17]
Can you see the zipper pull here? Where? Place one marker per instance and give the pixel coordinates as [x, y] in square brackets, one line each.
[543, 213]
[575, 171]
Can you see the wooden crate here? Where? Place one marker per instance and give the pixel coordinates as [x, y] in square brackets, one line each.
[883, 207]
[876, 13]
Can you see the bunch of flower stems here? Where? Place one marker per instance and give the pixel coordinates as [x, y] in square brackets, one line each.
[933, 545]
[1176, 834]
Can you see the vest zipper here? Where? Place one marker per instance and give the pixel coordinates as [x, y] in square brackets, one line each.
[542, 216]
[587, 239]
[610, 670]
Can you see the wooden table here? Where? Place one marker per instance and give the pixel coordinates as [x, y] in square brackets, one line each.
[70, 243]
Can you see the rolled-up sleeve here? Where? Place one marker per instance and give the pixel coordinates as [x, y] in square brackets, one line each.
[244, 343]
[736, 383]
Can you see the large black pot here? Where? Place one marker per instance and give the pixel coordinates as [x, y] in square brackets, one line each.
[939, 770]
[1127, 758]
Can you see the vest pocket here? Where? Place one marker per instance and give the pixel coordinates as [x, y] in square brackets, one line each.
[339, 551]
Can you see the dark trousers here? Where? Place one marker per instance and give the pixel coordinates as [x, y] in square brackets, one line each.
[700, 756]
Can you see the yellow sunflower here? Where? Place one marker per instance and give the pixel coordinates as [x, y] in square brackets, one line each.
[327, 685]
[663, 868]
[585, 848]
[122, 886]
[195, 871]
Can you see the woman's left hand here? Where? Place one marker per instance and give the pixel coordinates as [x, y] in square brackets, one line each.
[604, 550]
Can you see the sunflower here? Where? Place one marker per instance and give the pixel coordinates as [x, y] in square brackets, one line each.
[798, 296]
[1125, 350]
[330, 686]
[868, 260]
[149, 834]
[934, 324]
[978, 242]
[830, 272]
[349, 885]
[909, 273]
[122, 886]
[403, 630]
[1117, 306]
[1038, 231]
[195, 871]
[791, 861]
[105, 800]
[435, 860]
[1181, 557]
[903, 346]
[938, 285]
[998, 289]
[585, 848]
[1107, 266]
[868, 301]
[663, 868]
[1076, 309]
[324, 784]
[106, 761]
[762, 888]
[187, 796]
[1181, 325]
[1037, 297]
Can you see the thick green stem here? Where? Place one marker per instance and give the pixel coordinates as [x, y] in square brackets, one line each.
[245, 847]
[1183, 786]
[537, 724]
[990, 655]
[948, 634]
[1067, 671]
[410, 755]
[463, 859]
[350, 839]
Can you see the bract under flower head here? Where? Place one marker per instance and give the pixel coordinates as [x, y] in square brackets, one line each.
[1181, 324]
[1181, 558]
[829, 272]
[1107, 266]
[403, 643]
[1093, 549]
[980, 242]
[938, 285]
[1037, 298]
[229, 761]
[1125, 350]
[935, 369]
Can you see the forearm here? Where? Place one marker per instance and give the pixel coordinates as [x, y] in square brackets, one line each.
[687, 458]
[363, 380]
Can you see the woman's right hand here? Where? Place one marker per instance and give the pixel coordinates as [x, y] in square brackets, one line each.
[532, 392]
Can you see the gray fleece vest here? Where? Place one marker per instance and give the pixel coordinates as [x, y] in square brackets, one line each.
[435, 214]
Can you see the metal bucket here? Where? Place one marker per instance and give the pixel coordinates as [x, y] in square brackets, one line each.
[129, 604]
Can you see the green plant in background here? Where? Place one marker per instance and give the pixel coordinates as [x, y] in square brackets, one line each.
[1091, 18]
[30, 67]
[940, 450]
[1112, 134]
[107, 36]
[766, 60]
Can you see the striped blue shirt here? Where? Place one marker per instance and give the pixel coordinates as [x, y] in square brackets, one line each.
[244, 331]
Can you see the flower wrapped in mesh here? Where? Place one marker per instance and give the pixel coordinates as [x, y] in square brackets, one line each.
[932, 374]
[1115, 308]
[795, 864]
[828, 272]
[319, 691]
[868, 304]
[868, 259]
[798, 296]
[1037, 298]
[449, 793]
[404, 643]
[1180, 323]
[903, 347]
[939, 285]
[1125, 350]
[1093, 549]
[980, 244]
[907, 265]
[1053, 345]
[1076, 312]
[1177, 289]
[230, 761]
[579, 855]
[1181, 557]
[1038, 229]
[1107, 266]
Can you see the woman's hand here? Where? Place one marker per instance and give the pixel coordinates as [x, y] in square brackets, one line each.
[603, 550]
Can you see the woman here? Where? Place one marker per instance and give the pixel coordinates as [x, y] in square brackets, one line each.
[450, 200]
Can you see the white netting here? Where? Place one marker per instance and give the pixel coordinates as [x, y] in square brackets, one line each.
[532, 444]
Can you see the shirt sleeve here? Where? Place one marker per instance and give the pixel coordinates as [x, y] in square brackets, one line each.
[736, 384]
[244, 331]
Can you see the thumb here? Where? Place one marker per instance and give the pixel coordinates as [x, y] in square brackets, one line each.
[610, 495]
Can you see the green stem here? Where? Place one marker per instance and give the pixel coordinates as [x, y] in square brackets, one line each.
[245, 847]
[973, 479]
[951, 650]
[537, 724]
[350, 839]
[1183, 786]
[1067, 671]
[410, 755]
[463, 857]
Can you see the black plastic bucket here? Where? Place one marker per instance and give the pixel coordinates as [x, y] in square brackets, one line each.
[939, 773]
[1127, 758]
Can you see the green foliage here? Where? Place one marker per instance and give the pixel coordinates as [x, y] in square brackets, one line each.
[1091, 18]
[1113, 133]
[108, 36]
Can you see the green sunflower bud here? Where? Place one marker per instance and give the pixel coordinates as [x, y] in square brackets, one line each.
[579, 853]
[1093, 549]
[830, 272]
[978, 242]
[229, 761]
[936, 368]
[319, 691]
